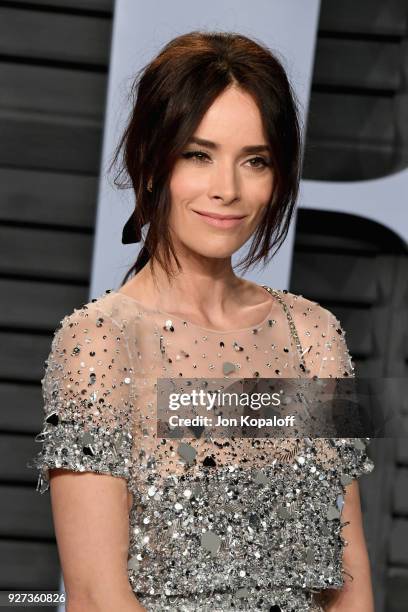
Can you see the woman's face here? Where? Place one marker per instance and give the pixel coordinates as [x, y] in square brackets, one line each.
[226, 171]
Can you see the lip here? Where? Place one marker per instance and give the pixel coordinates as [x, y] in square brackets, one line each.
[223, 221]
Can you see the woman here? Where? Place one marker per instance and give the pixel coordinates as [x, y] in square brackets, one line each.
[212, 149]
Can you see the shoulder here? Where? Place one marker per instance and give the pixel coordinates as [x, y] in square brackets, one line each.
[312, 320]
[105, 305]
[303, 309]
[99, 317]
[89, 336]
[322, 338]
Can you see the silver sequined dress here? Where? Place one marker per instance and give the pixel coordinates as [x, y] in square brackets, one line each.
[225, 524]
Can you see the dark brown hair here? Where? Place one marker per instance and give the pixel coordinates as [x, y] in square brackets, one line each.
[170, 97]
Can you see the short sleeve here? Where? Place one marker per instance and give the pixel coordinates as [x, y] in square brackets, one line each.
[336, 362]
[87, 398]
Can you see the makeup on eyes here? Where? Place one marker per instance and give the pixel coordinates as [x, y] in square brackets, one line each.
[194, 155]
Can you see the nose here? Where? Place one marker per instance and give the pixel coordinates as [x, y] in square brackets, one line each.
[224, 184]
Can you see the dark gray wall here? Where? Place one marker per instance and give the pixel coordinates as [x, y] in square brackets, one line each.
[53, 75]
[357, 130]
[357, 126]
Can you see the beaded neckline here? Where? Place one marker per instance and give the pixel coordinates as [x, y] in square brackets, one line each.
[274, 292]
[171, 316]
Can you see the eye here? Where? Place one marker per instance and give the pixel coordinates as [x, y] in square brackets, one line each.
[260, 163]
[196, 156]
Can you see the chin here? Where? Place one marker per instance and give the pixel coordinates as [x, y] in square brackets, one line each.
[214, 252]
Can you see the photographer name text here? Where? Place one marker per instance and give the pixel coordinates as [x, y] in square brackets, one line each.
[242, 421]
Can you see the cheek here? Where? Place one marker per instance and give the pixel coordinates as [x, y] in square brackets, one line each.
[188, 186]
[259, 195]
[185, 185]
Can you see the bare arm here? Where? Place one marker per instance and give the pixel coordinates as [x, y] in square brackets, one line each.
[91, 522]
[86, 457]
[356, 595]
[330, 358]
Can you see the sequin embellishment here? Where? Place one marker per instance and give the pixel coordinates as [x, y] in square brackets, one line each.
[219, 524]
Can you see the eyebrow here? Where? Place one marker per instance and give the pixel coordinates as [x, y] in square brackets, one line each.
[213, 145]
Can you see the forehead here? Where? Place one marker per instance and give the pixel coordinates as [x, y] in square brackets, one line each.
[234, 117]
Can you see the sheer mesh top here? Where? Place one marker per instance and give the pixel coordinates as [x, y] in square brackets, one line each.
[227, 520]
